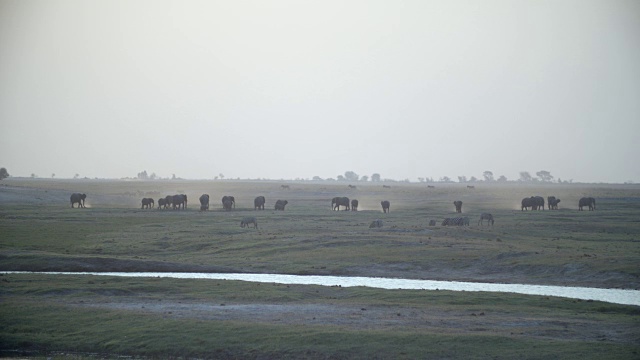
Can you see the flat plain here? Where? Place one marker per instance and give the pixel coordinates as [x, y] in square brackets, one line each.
[97, 317]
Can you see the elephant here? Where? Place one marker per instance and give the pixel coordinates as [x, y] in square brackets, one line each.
[587, 201]
[458, 205]
[78, 198]
[162, 203]
[148, 203]
[533, 202]
[231, 199]
[258, 203]
[204, 202]
[179, 200]
[337, 201]
[385, 206]
[280, 204]
[553, 202]
[527, 203]
[485, 216]
[354, 205]
[539, 203]
[168, 201]
[249, 220]
[227, 204]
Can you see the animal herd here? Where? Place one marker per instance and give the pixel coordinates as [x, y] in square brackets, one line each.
[179, 201]
[537, 203]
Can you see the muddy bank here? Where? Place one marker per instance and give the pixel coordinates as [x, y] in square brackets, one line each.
[539, 275]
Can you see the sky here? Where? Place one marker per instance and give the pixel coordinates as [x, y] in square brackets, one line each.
[296, 89]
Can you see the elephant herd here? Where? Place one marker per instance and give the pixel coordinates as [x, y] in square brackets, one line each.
[537, 203]
[352, 205]
[179, 201]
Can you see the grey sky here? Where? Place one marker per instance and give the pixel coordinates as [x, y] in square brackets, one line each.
[295, 89]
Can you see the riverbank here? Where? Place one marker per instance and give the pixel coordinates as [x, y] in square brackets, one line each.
[161, 317]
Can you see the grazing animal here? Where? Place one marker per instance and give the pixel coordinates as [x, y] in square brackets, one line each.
[148, 203]
[386, 186]
[249, 220]
[431, 187]
[352, 187]
[354, 205]
[376, 224]
[587, 201]
[285, 187]
[337, 201]
[179, 201]
[258, 203]
[231, 200]
[204, 202]
[162, 203]
[78, 198]
[280, 204]
[457, 221]
[485, 216]
[385, 206]
[470, 187]
[458, 205]
[432, 223]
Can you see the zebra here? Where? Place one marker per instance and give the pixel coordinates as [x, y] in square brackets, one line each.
[486, 216]
[456, 221]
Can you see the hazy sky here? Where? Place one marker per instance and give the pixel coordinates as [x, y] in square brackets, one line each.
[296, 89]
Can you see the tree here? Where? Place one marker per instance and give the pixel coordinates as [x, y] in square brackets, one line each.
[375, 177]
[462, 179]
[351, 176]
[473, 179]
[33, 175]
[317, 178]
[488, 175]
[143, 175]
[445, 179]
[525, 176]
[502, 178]
[53, 175]
[3, 173]
[544, 176]
[340, 178]
[76, 176]
[364, 178]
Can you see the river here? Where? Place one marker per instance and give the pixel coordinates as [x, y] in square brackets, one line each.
[616, 296]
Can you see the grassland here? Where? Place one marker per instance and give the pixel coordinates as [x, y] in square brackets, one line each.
[225, 319]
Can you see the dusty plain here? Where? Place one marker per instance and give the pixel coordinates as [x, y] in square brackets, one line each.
[85, 316]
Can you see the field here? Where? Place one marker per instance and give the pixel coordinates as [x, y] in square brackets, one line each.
[90, 317]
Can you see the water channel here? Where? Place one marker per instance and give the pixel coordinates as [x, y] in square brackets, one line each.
[616, 296]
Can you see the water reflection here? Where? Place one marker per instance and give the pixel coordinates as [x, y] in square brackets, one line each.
[617, 296]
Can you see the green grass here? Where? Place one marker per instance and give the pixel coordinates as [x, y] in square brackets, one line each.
[50, 314]
[44, 315]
